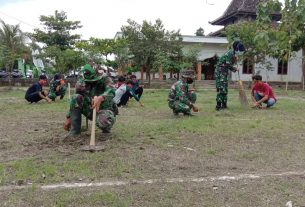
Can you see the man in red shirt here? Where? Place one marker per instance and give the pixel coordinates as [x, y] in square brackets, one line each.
[262, 93]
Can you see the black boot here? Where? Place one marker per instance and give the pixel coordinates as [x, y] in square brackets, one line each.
[218, 106]
[175, 112]
[224, 105]
[76, 122]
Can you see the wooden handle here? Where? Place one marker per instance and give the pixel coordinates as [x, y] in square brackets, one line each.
[92, 138]
[69, 91]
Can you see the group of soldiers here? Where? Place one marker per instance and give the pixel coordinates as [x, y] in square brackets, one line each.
[181, 98]
[96, 90]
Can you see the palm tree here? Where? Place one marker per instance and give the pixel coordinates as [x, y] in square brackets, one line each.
[12, 44]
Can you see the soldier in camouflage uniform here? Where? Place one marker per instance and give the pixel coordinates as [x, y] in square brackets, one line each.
[180, 98]
[93, 90]
[225, 63]
[57, 88]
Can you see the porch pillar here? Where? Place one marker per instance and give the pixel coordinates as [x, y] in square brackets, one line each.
[199, 71]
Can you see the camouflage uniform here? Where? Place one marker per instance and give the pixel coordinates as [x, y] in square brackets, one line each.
[53, 93]
[180, 99]
[224, 64]
[86, 89]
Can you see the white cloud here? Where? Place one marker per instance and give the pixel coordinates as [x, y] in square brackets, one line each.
[103, 18]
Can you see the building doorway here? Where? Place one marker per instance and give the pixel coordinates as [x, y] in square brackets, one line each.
[208, 68]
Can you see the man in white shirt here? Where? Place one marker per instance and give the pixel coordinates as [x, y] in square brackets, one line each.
[123, 93]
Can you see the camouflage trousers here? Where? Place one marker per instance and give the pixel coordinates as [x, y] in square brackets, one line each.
[105, 117]
[52, 95]
[180, 107]
[222, 90]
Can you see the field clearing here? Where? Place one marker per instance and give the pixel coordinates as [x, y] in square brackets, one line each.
[150, 143]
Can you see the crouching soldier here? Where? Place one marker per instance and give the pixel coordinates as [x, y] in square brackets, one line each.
[57, 88]
[181, 99]
[94, 90]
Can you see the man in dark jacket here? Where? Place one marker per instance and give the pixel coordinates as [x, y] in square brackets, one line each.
[35, 92]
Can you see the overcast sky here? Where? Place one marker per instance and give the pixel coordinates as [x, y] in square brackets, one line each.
[103, 18]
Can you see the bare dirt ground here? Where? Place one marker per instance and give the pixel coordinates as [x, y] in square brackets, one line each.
[150, 143]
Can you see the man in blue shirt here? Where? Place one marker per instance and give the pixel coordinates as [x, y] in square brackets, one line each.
[35, 92]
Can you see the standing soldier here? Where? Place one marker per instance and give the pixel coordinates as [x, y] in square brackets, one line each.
[57, 88]
[180, 98]
[225, 63]
[94, 90]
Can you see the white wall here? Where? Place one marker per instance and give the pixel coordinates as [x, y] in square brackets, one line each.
[294, 71]
[207, 50]
[138, 74]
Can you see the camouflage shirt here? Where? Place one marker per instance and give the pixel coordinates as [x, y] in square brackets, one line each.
[53, 86]
[225, 63]
[179, 92]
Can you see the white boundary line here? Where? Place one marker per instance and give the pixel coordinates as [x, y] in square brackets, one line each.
[152, 181]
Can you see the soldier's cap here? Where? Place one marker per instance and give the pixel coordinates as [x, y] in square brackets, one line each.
[90, 74]
[57, 77]
[188, 74]
[238, 46]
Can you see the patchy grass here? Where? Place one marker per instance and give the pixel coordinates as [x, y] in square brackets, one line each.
[151, 143]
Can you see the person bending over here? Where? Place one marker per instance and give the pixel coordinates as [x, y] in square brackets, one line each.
[262, 93]
[124, 92]
[35, 92]
[180, 98]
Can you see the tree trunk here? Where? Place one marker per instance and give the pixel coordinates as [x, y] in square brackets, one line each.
[120, 71]
[303, 67]
[10, 76]
[288, 68]
[142, 73]
[253, 65]
[160, 73]
[148, 74]
[171, 74]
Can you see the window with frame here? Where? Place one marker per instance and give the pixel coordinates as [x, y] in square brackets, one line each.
[247, 66]
[282, 67]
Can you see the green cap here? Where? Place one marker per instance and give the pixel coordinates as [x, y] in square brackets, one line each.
[90, 74]
[188, 73]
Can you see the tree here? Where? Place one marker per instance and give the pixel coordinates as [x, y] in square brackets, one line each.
[97, 49]
[199, 32]
[259, 36]
[147, 41]
[245, 32]
[289, 35]
[122, 54]
[57, 31]
[292, 31]
[12, 44]
[90, 51]
[56, 35]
